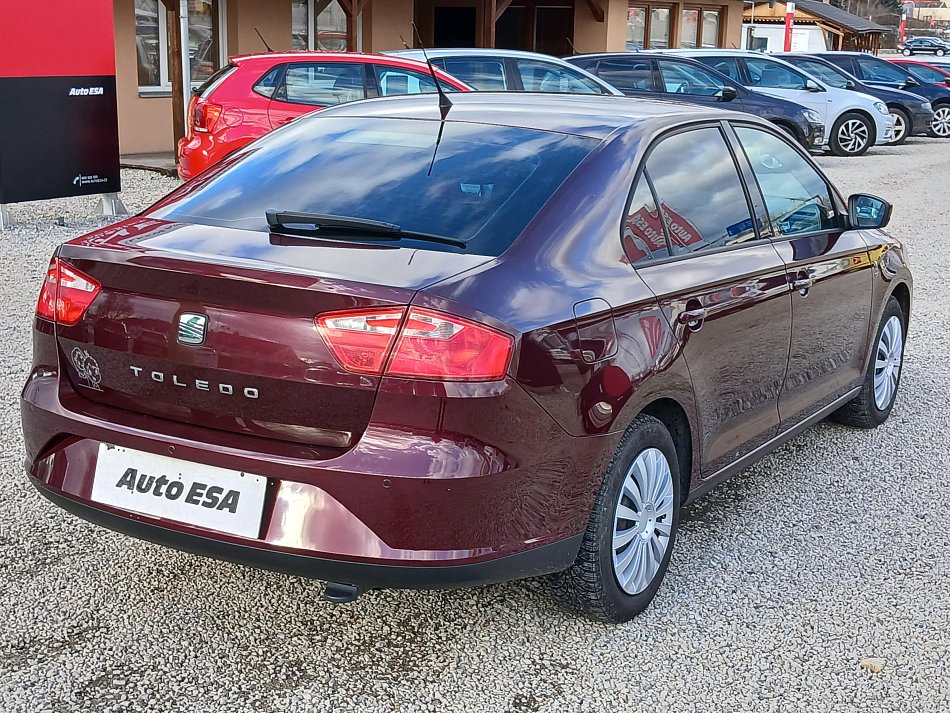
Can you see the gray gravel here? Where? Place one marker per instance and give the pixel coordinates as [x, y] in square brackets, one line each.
[831, 551]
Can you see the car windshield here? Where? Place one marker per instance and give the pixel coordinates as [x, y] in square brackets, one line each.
[829, 75]
[476, 183]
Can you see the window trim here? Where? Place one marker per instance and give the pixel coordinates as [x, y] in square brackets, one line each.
[725, 130]
[836, 198]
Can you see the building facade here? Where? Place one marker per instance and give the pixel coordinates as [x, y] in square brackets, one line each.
[218, 29]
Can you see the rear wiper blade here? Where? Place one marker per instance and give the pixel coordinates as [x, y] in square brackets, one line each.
[339, 227]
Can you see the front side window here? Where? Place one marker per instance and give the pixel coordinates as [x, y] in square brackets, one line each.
[881, 71]
[318, 25]
[322, 84]
[628, 75]
[680, 78]
[796, 196]
[554, 79]
[487, 75]
[772, 75]
[152, 42]
[700, 193]
[643, 236]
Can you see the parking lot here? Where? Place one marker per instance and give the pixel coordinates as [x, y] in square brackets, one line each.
[829, 552]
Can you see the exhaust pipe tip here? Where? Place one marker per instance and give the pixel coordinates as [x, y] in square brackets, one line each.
[338, 593]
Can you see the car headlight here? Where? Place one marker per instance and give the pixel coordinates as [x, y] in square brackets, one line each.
[881, 107]
[925, 106]
[813, 116]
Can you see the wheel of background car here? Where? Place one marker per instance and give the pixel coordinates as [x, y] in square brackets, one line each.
[631, 531]
[851, 135]
[907, 52]
[872, 406]
[902, 122]
[941, 52]
[940, 126]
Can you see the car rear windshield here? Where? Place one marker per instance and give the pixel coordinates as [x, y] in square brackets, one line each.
[477, 183]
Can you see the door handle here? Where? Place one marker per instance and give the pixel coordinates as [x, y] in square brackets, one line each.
[802, 284]
[693, 318]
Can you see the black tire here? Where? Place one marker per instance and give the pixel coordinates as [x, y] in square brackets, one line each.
[863, 411]
[941, 53]
[590, 586]
[902, 121]
[940, 127]
[846, 125]
[906, 52]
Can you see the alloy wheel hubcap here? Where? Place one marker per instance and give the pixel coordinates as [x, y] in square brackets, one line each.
[899, 126]
[887, 362]
[941, 122]
[643, 521]
[853, 135]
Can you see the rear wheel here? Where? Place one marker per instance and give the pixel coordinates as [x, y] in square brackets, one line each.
[632, 527]
[906, 52]
[941, 53]
[851, 135]
[871, 407]
[940, 126]
[902, 122]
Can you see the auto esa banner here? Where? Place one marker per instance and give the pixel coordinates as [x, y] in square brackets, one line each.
[59, 131]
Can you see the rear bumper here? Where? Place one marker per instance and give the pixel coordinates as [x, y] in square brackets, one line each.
[552, 557]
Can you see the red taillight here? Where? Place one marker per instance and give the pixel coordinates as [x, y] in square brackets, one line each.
[205, 116]
[424, 345]
[66, 294]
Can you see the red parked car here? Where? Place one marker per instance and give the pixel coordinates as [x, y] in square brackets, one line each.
[926, 72]
[254, 94]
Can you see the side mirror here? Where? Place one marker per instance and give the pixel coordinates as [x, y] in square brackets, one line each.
[910, 82]
[849, 84]
[866, 211]
[727, 94]
[813, 86]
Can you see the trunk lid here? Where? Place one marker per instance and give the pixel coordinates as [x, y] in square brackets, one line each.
[215, 326]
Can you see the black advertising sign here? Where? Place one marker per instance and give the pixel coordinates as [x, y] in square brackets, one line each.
[59, 131]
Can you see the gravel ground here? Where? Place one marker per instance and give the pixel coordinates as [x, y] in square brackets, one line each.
[831, 551]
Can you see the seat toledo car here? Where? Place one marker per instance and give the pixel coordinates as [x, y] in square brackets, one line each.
[507, 343]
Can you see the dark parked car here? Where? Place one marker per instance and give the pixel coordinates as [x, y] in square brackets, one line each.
[912, 115]
[641, 75]
[509, 343]
[879, 72]
[924, 45]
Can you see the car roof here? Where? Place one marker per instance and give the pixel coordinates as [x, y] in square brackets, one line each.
[305, 55]
[474, 52]
[593, 116]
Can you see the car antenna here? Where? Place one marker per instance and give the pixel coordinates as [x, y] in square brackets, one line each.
[404, 43]
[444, 102]
[573, 48]
[269, 48]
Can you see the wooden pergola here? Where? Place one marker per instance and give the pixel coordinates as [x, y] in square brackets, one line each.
[848, 31]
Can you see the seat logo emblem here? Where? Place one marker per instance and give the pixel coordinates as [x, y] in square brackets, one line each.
[86, 368]
[192, 328]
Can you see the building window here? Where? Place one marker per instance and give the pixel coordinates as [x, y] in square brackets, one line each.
[711, 29]
[689, 28]
[330, 32]
[648, 26]
[205, 42]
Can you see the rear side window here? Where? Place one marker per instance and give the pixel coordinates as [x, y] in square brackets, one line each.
[322, 84]
[486, 75]
[700, 193]
[796, 196]
[267, 85]
[880, 71]
[394, 81]
[680, 78]
[554, 79]
[772, 75]
[473, 182]
[215, 81]
[643, 236]
[824, 73]
[627, 75]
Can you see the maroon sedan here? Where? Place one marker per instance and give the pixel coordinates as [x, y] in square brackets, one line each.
[384, 349]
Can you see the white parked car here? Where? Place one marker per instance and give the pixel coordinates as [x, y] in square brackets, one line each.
[855, 121]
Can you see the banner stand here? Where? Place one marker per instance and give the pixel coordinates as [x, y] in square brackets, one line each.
[110, 204]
